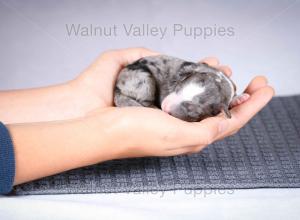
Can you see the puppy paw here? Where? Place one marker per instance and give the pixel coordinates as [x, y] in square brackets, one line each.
[239, 99]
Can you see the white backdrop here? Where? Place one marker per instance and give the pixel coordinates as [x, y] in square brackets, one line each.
[36, 49]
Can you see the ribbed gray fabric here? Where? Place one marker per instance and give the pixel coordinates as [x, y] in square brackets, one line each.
[265, 153]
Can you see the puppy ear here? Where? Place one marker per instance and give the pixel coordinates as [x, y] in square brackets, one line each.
[226, 111]
[184, 75]
[186, 69]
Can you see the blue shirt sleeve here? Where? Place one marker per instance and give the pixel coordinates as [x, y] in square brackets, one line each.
[7, 161]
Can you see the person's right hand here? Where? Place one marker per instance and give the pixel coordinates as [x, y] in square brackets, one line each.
[142, 131]
[139, 131]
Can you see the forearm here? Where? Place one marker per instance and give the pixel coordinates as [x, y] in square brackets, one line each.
[59, 102]
[43, 149]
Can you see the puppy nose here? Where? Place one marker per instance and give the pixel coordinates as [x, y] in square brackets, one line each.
[165, 106]
[170, 101]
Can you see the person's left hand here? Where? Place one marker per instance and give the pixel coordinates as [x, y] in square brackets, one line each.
[95, 85]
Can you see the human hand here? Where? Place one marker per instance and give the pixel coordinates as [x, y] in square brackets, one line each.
[151, 132]
[95, 85]
[108, 132]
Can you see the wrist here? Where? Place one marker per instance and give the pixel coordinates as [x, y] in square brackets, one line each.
[124, 132]
[117, 131]
[83, 98]
[103, 134]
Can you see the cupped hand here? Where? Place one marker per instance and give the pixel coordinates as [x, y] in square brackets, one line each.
[97, 82]
[143, 131]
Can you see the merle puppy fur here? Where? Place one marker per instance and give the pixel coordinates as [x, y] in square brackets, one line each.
[189, 91]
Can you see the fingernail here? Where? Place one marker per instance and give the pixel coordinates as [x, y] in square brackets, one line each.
[245, 96]
[223, 125]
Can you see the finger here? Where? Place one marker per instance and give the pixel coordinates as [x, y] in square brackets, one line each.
[187, 150]
[211, 61]
[180, 151]
[114, 60]
[214, 62]
[241, 114]
[129, 55]
[196, 149]
[256, 102]
[239, 99]
[185, 134]
[255, 84]
[204, 132]
[225, 69]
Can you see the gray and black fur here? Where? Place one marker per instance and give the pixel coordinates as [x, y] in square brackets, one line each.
[149, 80]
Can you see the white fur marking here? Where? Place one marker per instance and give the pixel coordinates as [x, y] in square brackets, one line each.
[221, 74]
[189, 91]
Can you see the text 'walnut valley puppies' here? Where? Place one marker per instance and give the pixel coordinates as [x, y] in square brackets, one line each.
[186, 90]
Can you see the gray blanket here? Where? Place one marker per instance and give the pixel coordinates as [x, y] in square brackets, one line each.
[265, 153]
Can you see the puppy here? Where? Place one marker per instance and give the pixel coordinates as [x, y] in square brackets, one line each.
[186, 90]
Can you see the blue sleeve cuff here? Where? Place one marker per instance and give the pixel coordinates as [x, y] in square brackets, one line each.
[7, 161]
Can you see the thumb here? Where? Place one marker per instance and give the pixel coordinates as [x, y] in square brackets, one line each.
[208, 130]
[129, 55]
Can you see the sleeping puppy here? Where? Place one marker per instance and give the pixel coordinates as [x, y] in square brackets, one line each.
[186, 90]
